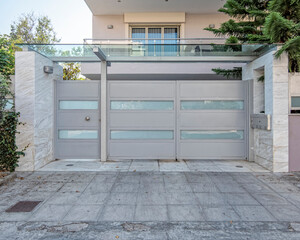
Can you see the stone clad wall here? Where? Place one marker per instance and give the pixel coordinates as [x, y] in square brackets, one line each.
[34, 91]
[270, 148]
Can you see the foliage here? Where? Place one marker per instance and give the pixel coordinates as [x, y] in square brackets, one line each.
[32, 29]
[236, 72]
[264, 21]
[284, 27]
[9, 153]
[71, 71]
[7, 61]
[248, 18]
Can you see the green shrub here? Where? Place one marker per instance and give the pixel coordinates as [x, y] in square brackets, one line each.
[9, 154]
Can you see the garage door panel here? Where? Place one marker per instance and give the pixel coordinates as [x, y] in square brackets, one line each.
[212, 150]
[78, 149]
[218, 119]
[212, 120]
[142, 150]
[142, 119]
[78, 89]
[211, 90]
[144, 89]
[78, 119]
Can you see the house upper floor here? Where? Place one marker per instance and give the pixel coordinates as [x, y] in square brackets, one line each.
[155, 19]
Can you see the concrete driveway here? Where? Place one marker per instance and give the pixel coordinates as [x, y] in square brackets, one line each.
[152, 205]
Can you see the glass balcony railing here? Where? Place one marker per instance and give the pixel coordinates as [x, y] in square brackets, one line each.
[147, 49]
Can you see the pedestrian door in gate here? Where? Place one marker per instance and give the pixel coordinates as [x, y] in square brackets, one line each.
[77, 133]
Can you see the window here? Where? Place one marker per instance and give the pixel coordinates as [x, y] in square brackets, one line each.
[141, 105]
[231, 134]
[154, 36]
[212, 105]
[142, 135]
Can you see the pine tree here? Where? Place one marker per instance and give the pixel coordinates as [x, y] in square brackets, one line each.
[248, 18]
[263, 21]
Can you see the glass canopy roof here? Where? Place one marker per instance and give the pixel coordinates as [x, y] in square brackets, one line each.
[150, 50]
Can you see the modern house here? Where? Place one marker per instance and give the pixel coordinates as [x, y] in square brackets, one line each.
[152, 93]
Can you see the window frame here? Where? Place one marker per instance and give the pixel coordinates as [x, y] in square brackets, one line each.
[147, 26]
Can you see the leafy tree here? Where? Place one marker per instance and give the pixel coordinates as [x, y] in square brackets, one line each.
[32, 29]
[7, 61]
[72, 71]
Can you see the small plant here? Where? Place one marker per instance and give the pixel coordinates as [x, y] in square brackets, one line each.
[9, 120]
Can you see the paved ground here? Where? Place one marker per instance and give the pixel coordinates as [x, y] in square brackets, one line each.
[153, 205]
[155, 165]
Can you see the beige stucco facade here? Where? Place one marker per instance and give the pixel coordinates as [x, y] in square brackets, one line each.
[191, 25]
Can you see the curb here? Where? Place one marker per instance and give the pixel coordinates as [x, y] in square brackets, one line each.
[8, 178]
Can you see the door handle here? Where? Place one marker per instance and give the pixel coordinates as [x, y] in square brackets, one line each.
[87, 118]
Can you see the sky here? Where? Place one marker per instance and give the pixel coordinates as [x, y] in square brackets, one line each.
[71, 19]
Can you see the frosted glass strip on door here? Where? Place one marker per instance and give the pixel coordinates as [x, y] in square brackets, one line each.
[71, 105]
[212, 105]
[141, 105]
[232, 134]
[78, 134]
[141, 134]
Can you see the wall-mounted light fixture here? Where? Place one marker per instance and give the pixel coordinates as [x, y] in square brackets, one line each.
[48, 69]
[211, 25]
[110, 26]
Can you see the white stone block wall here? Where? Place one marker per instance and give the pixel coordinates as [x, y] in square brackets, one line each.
[270, 148]
[34, 96]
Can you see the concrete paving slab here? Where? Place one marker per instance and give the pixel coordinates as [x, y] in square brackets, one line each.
[63, 198]
[122, 198]
[222, 213]
[240, 199]
[270, 199]
[92, 198]
[152, 187]
[177, 187]
[284, 213]
[74, 187]
[204, 187]
[173, 166]
[181, 198]
[125, 187]
[151, 213]
[152, 198]
[197, 177]
[95, 187]
[117, 213]
[51, 212]
[253, 213]
[211, 199]
[230, 187]
[144, 166]
[185, 213]
[83, 213]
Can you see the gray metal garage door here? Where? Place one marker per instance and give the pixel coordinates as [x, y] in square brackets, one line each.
[77, 120]
[212, 122]
[141, 119]
[177, 119]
